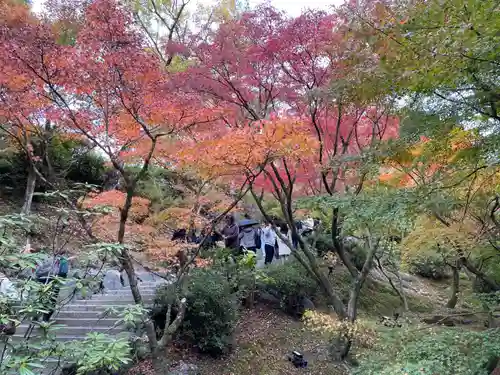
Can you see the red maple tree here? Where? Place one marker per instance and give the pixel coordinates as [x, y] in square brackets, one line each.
[266, 65]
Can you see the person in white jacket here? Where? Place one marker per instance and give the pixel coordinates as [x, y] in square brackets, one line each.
[284, 250]
[268, 240]
[7, 288]
[9, 292]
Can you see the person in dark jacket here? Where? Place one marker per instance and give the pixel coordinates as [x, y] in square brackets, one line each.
[211, 240]
[50, 269]
[231, 233]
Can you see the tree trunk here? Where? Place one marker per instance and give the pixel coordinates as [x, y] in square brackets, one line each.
[313, 268]
[352, 305]
[128, 266]
[28, 200]
[30, 190]
[490, 282]
[398, 289]
[171, 328]
[452, 302]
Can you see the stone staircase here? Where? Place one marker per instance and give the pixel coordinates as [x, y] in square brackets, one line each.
[82, 316]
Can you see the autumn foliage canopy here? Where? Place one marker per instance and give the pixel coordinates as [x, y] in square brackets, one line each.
[262, 98]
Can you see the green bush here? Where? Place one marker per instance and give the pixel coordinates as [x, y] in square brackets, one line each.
[159, 186]
[13, 171]
[69, 160]
[87, 167]
[324, 243]
[289, 279]
[211, 314]
[443, 352]
[358, 256]
[430, 267]
[289, 282]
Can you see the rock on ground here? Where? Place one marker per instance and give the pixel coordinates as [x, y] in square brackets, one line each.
[184, 368]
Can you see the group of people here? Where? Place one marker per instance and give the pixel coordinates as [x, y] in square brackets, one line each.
[273, 241]
[255, 238]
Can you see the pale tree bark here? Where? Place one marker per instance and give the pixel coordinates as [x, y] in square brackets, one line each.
[125, 258]
[29, 191]
[402, 292]
[28, 200]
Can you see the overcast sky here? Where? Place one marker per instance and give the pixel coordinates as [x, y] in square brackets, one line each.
[293, 7]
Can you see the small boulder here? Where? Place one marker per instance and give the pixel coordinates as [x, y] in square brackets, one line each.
[269, 299]
[111, 280]
[183, 368]
[307, 304]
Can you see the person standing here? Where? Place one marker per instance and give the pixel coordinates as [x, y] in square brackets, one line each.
[46, 272]
[250, 238]
[269, 242]
[231, 233]
[284, 250]
[10, 295]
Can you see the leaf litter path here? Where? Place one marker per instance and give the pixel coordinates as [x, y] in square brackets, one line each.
[264, 337]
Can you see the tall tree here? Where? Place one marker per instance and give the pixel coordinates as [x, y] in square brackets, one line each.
[21, 93]
[265, 65]
[445, 51]
[106, 88]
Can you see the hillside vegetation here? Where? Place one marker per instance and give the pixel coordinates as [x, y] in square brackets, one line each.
[139, 138]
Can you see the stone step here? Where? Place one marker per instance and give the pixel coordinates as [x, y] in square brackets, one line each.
[97, 307]
[127, 291]
[63, 337]
[81, 315]
[18, 338]
[73, 331]
[153, 284]
[118, 299]
[103, 303]
[141, 289]
[107, 302]
[86, 321]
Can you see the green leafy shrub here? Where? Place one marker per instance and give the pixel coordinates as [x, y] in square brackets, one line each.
[87, 167]
[289, 279]
[290, 283]
[100, 354]
[443, 352]
[69, 159]
[358, 256]
[430, 267]
[12, 171]
[211, 314]
[159, 186]
[324, 243]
